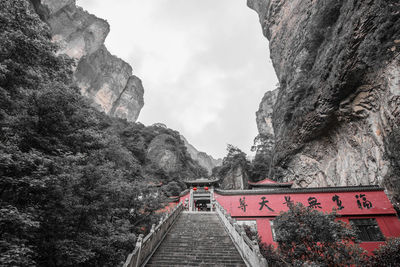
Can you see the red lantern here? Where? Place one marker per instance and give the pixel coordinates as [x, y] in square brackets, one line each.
[194, 188]
[206, 187]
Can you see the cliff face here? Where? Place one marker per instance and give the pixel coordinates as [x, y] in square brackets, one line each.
[205, 160]
[265, 111]
[338, 67]
[235, 179]
[162, 153]
[264, 120]
[102, 77]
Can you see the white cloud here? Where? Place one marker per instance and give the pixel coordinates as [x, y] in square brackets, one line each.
[204, 65]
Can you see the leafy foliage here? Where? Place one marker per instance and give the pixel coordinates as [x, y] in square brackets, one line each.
[74, 184]
[267, 250]
[256, 170]
[386, 255]
[235, 158]
[261, 164]
[391, 180]
[305, 235]
[271, 255]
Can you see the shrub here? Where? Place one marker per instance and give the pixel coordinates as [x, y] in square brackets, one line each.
[386, 255]
[305, 235]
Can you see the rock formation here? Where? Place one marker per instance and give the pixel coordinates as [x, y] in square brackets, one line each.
[235, 179]
[102, 77]
[205, 160]
[162, 153]
[265, 111]
[166, 152]
[338, 67]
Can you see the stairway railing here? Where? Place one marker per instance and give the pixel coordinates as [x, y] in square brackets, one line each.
[147, 245]
[249, 250]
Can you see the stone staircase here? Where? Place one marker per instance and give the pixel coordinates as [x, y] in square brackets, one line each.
[196, 239]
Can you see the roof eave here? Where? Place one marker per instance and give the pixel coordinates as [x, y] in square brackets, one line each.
[300, 190]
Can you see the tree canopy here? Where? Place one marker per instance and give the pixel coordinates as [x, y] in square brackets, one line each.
[75, 184]
[234, 158]
[305, 235]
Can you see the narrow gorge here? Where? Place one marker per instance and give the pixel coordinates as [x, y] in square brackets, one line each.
[327, 123]
[85, 183]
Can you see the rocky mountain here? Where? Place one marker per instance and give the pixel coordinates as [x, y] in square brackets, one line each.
[102, 77]
[338, 67]
[205, 160]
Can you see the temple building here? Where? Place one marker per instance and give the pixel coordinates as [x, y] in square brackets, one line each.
[204, 225]
[200, 194]
[365, 207]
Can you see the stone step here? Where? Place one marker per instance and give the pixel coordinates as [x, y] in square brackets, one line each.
[197, 239]
[191, 264]
[197, 250]
[199, 258]
[196, 260]
[196, 263]
[195, 246]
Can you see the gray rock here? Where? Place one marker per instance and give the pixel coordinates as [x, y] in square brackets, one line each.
[339, 88]
[265, 111]
[205, 160]
[102, 77]
[235, 179]
[107, 80]
[161, 152]
[46, 8]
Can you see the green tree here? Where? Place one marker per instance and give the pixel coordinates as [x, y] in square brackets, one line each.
[305, 235]
[235, 158]
[74, 188]
[386, 255]
[261, 164]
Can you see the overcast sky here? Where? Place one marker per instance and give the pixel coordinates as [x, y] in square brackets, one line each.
[204, 65]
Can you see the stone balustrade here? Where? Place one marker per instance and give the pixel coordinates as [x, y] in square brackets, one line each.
[146, 246]
[249, 250]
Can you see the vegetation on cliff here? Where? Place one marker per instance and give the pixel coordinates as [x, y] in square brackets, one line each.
[236, 163]
[234, 158]
[391, 180]
[76, 185]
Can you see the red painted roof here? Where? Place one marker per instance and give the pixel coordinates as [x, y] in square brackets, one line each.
[269, 182]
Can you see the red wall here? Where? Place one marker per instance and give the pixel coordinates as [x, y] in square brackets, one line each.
[381, 209]
[379, 200]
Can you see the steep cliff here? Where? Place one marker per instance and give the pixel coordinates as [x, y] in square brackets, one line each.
[265, 111]
[205, 160]
[102, 77]
[339, 72]
[235, 179]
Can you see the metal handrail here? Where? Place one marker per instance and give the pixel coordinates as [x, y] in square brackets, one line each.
[146, 246]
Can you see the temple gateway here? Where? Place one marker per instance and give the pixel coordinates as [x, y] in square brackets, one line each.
[205, 225]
